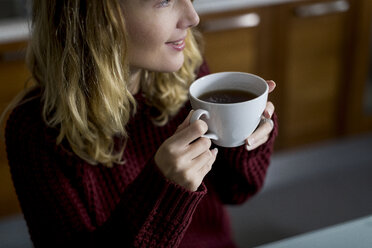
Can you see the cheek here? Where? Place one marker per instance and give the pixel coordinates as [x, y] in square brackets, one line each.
[146, 36]
[147, 47]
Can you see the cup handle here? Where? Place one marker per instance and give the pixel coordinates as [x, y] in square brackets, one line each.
[196, 116]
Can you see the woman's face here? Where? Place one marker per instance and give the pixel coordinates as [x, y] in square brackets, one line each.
[156, 32]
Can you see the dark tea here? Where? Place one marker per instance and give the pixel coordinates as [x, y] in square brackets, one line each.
[227, 96]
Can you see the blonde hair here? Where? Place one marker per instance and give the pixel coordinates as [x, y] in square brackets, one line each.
[84, 80]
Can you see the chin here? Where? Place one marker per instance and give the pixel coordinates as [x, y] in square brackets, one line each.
[175, 65]
[172, 66]
[168, 65]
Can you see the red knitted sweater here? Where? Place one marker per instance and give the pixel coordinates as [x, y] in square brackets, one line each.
[68, 202]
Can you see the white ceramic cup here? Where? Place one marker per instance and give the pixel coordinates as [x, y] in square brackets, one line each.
[229, 124]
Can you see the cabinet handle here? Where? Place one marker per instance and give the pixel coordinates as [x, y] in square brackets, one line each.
[228, 23]
[320, 9]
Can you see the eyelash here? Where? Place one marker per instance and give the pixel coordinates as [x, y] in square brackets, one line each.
[164, 3]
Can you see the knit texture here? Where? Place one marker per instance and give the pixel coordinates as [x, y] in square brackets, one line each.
[68, 203]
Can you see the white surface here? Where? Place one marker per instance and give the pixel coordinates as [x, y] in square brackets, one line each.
[13, 30]
[211, 6]
[14, 232]
[356, 233]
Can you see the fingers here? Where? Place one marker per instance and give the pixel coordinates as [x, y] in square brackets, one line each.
[205, 161]
[201, 164]
[198, 147]
[190, 133]
[256, 143]
[185, 158]
[269, 110]
[271, 84]
[191, 174]
[263, 130]
[261, 135]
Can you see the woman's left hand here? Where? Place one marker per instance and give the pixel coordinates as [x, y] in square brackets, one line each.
[262, 133]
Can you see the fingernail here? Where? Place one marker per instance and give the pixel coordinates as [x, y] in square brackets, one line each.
[215, 151]
[267, 114]
[250, 141]
[248, 147]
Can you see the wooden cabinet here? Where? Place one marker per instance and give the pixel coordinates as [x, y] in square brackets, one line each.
[357, 104]
[304, 47]
[314, 42]
[13, 76]
[233, 40]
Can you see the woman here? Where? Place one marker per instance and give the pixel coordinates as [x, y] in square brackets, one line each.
[101, 150]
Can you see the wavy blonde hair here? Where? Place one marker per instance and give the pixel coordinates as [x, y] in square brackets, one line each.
[85, 78]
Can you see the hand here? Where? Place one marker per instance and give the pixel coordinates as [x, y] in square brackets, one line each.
[185, 158]
[262, 133]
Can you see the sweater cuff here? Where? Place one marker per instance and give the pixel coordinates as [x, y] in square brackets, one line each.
[176, 201]
[158, 211]
[156, 197]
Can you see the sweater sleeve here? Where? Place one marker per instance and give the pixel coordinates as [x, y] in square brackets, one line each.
[151, 212]
[238, 174]
[155, 212]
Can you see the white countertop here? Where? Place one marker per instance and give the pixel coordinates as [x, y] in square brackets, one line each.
[13, 30]
[354, 233]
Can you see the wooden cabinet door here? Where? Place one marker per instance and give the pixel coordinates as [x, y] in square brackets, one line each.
[357, 102]
[314, 44]
[13, 77]
[233, 40]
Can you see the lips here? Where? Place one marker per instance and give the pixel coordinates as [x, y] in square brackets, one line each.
[178, 45]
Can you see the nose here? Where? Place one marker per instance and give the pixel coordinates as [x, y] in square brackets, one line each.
[189, 17]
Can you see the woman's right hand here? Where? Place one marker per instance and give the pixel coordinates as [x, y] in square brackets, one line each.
[185, 157]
